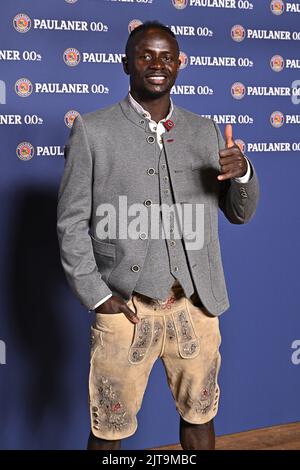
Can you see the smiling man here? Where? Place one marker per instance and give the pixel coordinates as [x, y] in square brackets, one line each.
[154, 297]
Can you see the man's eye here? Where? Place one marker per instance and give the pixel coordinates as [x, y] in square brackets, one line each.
[146, 57]
[168, 59]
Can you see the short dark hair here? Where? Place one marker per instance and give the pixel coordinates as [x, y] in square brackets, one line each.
[144, 27]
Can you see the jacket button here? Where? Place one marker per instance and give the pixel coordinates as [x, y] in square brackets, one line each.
[166, 179]
[135, 268]
[151, 171]
[142, 121]
[176, 268]
[164, 166]
[148, 203]
[150, 139]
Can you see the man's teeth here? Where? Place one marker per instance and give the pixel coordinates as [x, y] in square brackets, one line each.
[157, 78]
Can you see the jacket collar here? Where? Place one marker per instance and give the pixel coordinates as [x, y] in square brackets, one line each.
[140, 121]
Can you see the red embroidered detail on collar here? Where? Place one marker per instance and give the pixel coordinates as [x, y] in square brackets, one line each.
[169, 124]
[169, 302]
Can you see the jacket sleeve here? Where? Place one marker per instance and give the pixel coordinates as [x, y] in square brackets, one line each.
[238, 201]
[73, 219]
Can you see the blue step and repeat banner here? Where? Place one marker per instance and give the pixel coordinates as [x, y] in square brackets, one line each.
[240, 65]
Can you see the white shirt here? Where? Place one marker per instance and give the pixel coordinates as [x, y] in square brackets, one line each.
[159, 129]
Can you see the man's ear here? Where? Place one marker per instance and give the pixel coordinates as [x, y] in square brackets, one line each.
[125, 65]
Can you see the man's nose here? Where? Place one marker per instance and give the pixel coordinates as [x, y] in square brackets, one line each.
[156, 63]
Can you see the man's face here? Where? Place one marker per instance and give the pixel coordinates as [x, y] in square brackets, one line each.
[152, 63]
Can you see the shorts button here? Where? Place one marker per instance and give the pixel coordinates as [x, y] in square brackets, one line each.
[143, 235]
[148, 202]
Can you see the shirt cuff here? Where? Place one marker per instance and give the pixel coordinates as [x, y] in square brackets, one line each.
[101, 301]
[244, 179]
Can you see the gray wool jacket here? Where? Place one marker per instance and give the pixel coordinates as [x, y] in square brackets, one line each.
[107, 155]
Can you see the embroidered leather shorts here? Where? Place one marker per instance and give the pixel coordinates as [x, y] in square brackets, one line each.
[182, 334]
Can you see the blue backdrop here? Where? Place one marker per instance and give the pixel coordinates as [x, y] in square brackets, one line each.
[44, 331]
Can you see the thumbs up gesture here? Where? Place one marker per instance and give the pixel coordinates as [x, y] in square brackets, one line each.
[232, 161]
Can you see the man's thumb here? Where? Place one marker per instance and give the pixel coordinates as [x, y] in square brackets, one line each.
[228, 136]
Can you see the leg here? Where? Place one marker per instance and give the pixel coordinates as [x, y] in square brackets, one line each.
[119, 371]
[197, 436]
[95, 443]
[192, 364]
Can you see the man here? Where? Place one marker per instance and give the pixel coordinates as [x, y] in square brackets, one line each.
[153, 296]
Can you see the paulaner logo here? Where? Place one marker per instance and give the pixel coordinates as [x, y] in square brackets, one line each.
[71, 57]
[22, 23]
[183, 59]
[238, 33]
[69, 117]
[23, 87]
[277, 7]
[241, 144]
[238, 90]
[277, 119]
[134, 24]
[180, 4]
[277, 63]
[25, 151]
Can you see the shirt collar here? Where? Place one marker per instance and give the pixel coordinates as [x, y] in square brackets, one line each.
[139, 109]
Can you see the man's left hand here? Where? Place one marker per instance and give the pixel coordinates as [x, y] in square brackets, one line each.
[232, 161]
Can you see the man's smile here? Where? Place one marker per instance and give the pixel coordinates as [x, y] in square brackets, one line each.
[156, 79]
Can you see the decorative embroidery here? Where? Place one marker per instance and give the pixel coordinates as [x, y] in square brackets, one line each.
[190, 348]
[185, 327]
[168, 303]
[110, 412]
[188, 344]
[207, 394]
[157, 332]
[142, 340]
[171, 334]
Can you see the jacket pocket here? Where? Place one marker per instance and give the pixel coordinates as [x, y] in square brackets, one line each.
[103, 248]
[143, 332]
[105, 255]
[96, 341]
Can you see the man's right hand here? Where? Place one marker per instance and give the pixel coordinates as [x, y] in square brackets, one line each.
[116, 305]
